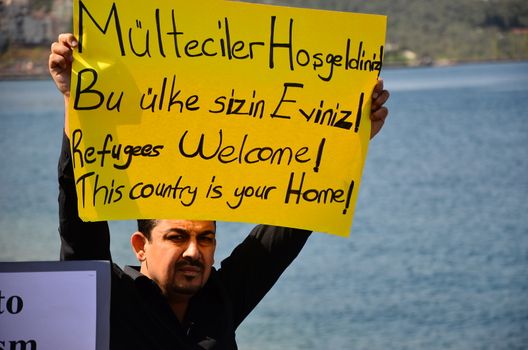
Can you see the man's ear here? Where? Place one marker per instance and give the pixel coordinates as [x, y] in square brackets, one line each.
[138, 242]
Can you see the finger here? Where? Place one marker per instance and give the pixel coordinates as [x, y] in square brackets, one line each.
[378, 88]
[378, 120]
[61, 49]
[383, 96]
[380, 114]
[376, 127]
[68, 40]
[57, 63]
[64, 46]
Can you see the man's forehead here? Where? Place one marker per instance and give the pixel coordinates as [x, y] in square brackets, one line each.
[186, 225]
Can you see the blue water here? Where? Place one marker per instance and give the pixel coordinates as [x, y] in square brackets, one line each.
[438, 255]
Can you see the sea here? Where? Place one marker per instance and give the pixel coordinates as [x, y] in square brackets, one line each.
[437, 257]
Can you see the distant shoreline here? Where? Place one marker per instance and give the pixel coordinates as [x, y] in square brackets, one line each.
[44, 75]
[20, 77]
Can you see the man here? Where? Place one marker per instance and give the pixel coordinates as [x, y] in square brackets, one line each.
[176, 299]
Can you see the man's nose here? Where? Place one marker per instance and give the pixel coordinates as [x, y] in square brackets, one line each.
[192, 251]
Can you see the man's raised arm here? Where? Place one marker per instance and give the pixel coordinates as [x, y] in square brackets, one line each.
[79, 240]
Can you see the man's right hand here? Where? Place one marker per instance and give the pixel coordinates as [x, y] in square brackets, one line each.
[60, 66]
[60, 62]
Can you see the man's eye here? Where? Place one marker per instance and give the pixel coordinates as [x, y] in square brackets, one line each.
[206, 240]
[177, 238]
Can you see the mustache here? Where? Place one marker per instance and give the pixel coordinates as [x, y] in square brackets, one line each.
[189, 262]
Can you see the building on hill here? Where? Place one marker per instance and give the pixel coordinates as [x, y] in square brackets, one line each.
[25, 25]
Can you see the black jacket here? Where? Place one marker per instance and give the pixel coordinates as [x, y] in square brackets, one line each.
[140, 317]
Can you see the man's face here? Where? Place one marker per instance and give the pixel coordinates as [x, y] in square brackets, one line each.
[180, 255]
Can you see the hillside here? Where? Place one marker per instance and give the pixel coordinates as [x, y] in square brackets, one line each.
[419, 32]
[443, 31]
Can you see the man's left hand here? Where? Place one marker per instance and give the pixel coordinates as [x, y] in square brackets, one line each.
[378, 112]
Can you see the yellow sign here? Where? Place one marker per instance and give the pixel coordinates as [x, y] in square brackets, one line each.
[222, 110]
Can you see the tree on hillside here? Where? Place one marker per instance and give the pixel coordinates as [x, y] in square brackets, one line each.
[36, 5]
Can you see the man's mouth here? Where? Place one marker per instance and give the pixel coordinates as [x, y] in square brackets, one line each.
[190, 269]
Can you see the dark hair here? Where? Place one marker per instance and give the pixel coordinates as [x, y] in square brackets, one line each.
[145, 226]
